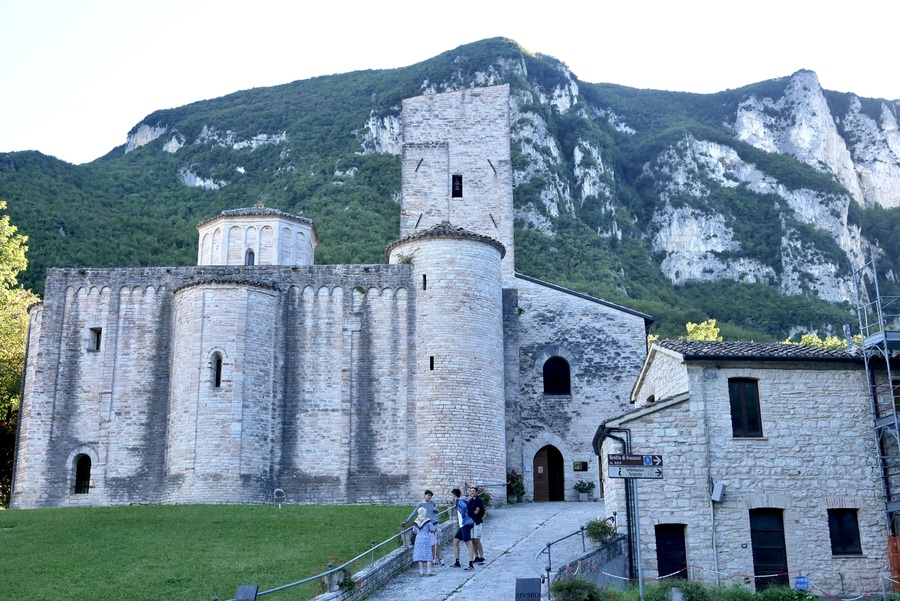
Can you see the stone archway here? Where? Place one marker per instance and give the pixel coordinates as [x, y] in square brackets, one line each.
[548, 475]
[557, 464]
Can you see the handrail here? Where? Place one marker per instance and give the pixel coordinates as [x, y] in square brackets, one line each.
[346, 563]
[546, 549]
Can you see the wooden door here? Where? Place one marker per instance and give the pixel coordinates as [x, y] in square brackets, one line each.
[769, 552]
[548, 475]
[671, 555]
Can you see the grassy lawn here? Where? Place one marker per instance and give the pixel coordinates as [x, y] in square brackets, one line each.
[175, 552]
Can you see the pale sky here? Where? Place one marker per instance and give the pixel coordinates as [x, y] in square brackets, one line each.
[76, 76]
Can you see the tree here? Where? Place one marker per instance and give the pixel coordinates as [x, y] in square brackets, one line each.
[832, 343]
[702, 331]
[14, 303]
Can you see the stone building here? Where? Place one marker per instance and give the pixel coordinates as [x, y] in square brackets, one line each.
[770, 466]
[258, 370]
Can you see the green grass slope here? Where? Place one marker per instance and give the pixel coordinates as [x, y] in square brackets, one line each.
[180, 552]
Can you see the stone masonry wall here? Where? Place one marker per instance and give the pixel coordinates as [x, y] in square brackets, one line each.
[459, 133]
[817, 452]
[221, 437]
[604, 346]
[663, 378]
[312, 423]
[28, 437]
[460, 424]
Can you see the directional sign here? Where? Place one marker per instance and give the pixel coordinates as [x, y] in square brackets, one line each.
[640, 460]
[634, 471]
[635, 466]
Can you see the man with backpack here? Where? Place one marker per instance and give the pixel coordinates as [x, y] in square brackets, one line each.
[465, 529]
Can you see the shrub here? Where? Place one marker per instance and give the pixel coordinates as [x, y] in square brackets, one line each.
[599, 530]
[692, 591]
[783, 593]
[575, 589]
[515, 483]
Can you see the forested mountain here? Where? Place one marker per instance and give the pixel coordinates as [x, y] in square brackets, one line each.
[752, 206]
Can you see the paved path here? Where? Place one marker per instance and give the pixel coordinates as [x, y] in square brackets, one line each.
[513, 536]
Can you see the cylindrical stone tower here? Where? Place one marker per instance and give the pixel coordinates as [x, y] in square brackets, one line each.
[222, 419]
[459, 383]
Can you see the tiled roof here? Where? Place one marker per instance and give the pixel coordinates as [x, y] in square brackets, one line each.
[758, 351]
[648, 318]
[447, 230]
[258, 211]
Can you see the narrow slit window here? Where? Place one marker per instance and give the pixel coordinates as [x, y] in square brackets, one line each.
[424, 282]
[96, 336]
[456, 189]
[431, 363]
[250, 258]
[217, 370]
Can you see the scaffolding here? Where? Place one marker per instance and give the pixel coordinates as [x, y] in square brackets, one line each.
[879, 324]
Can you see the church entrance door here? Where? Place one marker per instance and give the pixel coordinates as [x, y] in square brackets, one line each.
[549, 482]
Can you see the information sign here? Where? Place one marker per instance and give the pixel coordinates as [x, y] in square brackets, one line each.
[635, 466]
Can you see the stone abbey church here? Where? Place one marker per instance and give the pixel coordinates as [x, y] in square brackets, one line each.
[258, 370]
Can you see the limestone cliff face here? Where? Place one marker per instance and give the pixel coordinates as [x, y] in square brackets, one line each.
[875, 149]
[142, 135]
[698, 236]
[689, 227]
[862, 152]
[712, 214]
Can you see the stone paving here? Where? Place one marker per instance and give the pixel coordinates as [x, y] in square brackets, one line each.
[514, 536]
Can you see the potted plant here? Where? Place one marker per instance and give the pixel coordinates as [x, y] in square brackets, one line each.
[515, 487]
[599, 530]
[584, 488]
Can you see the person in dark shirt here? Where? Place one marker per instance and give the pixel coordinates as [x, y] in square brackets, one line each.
[476, 510]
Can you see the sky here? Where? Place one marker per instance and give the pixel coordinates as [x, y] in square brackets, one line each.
[75, 77]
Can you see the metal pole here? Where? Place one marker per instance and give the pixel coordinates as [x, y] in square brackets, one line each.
[549, 561]
[637, 540]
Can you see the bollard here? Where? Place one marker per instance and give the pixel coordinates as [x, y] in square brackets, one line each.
[407, 537]
[334, 580]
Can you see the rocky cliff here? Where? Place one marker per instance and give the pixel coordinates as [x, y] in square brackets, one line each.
[728, 205]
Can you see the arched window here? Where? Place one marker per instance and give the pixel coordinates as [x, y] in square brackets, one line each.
[216, 370]
[556, 376]
[82, 475]
[250, 259]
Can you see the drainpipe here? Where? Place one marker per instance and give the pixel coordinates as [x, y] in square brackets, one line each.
[709, 374]
[602, 433]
